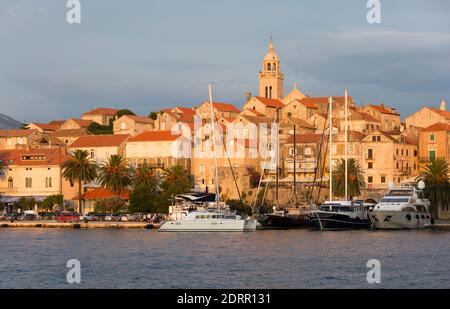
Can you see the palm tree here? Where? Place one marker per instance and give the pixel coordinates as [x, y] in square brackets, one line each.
[145, 178]
[355, 178]
[177, 178]
[115, 174]
[437, 188]
[79, 168]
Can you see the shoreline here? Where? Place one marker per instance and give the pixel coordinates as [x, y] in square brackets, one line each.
[79, 225]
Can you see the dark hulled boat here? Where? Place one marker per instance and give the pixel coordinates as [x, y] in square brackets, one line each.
[284, 220]
[340, 215]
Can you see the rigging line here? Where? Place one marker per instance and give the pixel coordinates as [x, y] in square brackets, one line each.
[319, 153]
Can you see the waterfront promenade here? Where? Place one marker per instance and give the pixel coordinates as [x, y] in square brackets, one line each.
[78, 225]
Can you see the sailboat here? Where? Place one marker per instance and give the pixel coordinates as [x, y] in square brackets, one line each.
[343, 214]
[213, 220]
[281, 218]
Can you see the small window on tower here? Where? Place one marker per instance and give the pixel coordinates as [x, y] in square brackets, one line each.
[274, 67]
[268, 67]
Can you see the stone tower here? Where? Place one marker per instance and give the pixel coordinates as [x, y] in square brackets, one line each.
[271, 80]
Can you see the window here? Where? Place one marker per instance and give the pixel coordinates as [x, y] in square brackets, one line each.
[92, 153]
[396, 151]
[370, 179]
[397, 165]
[274, 67]
[432, 137]
[402, 152]
[10, 183]
[370, 165]
[350, 148]
[123, 126]
[370, 154]
[432, 155]
[269, 67]
[48, 182]
[383, 179]
[28, 182]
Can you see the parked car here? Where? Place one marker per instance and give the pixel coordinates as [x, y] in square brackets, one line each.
[112, 217]
[88, 217]
[100, 217]
[28, 217]
[68, 217]
[130, 218]
[12, 216]
[47, 215]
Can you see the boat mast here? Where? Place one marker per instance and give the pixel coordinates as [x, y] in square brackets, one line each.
[277, 153]
[295, 170]
[214, 144]
[330, 101]
[346, 144]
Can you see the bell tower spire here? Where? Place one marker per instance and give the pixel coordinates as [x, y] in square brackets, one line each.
[271, 79]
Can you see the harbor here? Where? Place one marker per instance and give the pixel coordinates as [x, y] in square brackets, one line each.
[139, 258]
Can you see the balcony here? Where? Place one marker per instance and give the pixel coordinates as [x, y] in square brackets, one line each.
[427, 159]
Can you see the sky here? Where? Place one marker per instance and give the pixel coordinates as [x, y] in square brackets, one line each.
[146, 55]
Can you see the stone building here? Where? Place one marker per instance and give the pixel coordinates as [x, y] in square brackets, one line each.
[133, 125]
[102, 116]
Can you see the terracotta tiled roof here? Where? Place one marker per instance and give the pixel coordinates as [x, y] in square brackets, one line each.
[308, 104]
[45, 126]
[57, 122]
[382, 109]
[256, 113]
[103, 193]
[155, 136]
[186, 110]
[437, 127]
[102, 111]
[81, 122]
[271, 102]
[256, 119]
[305, 138]
[444, 114]
[99, 141]
[16, 133]
[362, 116]
[33, 157]
[355, 135]
[225, 107]
[299, 122]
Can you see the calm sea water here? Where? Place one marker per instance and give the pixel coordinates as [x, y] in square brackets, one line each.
[36, 258]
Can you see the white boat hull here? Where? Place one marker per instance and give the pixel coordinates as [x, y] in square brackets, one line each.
[206, 226]
[399, 220]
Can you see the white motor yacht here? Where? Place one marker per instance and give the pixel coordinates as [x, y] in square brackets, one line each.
[403, 207]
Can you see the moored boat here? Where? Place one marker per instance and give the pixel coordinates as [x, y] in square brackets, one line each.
[339, 215]
[402, 207]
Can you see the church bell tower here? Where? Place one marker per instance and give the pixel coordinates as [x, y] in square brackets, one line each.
[271, 80]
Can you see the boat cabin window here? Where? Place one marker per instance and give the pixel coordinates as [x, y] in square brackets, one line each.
[400, 193]
[395, 200]
[336, 208]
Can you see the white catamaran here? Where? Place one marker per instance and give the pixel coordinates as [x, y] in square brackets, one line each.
[214, 220]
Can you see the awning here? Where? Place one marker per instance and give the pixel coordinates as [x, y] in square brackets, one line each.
[14, 199]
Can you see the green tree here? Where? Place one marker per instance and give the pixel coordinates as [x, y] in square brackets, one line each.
[242, 209]
[145, 201]
[25, 203]
[51, 201]
[153, 115]
[110, 205]
[437, 188]
[98, 129]
[176, 176]
[79, 168]
[115, 174]
[123, 112]
[145, 178]
[355, 179]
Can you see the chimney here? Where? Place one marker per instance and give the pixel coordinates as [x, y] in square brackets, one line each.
[443, 105]
[248, 96]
